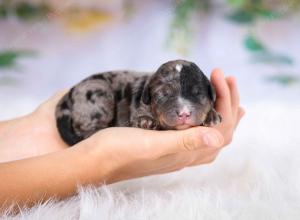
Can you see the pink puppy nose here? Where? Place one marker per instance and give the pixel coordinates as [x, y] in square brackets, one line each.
[184, 114]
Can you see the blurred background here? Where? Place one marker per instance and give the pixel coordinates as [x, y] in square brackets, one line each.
[48, 45]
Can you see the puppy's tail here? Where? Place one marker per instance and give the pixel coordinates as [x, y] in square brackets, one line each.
[66, 130]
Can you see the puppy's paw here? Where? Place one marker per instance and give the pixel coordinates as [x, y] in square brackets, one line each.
[147, 122]
[213, 118]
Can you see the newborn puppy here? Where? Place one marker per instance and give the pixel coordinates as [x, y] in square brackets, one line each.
[177, 96]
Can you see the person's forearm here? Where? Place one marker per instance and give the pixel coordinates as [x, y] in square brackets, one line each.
[12, 133]
[57, 174]
[26, 137]
[8, 125]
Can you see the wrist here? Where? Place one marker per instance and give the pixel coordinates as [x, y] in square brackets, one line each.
[12, 144]
[9, 126]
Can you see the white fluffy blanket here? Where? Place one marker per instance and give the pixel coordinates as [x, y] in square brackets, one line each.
[256, 177]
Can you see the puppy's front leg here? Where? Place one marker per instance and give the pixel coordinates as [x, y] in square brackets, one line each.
[142, 118]
[212, 118]
[147, 122]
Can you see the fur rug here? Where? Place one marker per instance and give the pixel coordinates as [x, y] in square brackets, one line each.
[256, 177]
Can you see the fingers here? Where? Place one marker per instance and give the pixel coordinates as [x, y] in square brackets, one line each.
[234, 94]
[241, 113]
[169, 142]
[223, 102]
[150, 144]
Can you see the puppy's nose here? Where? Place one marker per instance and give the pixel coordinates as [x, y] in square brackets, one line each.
[182, 115]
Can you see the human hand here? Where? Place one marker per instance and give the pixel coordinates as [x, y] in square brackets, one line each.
[31, 135]
[110, 155]
[162, 151]
[227, 104]
[134, 152]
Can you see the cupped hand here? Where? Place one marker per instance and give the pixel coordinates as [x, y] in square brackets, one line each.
[134, 152]
[110, 155]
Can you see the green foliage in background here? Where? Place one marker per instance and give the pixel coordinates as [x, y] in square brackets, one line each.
[241, 12]
[248, 11]
[263, 54]
[283, 79]
[23, 10]
[181, 30]
[3, 11]
[9, 58]
[28, 11]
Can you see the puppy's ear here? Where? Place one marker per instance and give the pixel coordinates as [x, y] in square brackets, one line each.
[146, 98]
[212, 92]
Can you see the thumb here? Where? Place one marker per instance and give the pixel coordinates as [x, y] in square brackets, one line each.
[187, 140]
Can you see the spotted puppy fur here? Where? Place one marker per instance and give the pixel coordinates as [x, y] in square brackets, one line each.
[177, 96]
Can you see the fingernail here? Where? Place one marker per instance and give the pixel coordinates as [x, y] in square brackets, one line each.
[211, 139]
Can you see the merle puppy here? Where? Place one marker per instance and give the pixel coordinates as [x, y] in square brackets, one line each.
[177, 96]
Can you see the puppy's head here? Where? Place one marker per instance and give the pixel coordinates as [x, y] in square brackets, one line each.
[179, 94]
